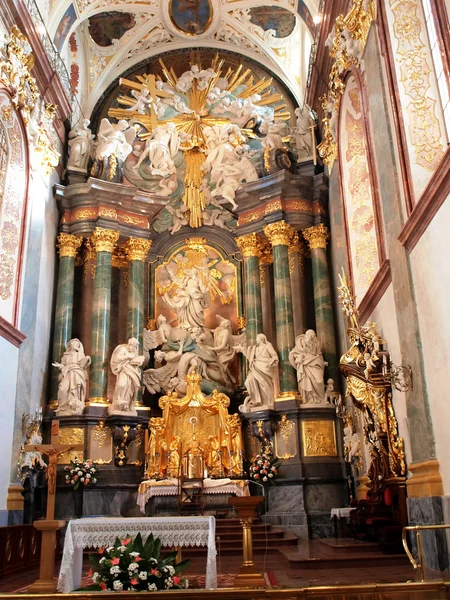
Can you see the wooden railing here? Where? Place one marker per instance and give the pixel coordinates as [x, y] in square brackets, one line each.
[20, 548]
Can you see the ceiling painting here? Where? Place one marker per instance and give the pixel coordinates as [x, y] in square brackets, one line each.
[106, 27]
[192, 17]
[279, 20]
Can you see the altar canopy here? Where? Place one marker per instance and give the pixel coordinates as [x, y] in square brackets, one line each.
[193, 427]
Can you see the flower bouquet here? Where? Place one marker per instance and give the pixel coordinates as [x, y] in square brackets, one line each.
[134, 566]
[80, 473]
[263, 467]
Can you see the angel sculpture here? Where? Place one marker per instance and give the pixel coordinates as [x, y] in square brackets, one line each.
[161, 148]
[224, 346]
[143, 99]
[161, 379]
[115, 138]
[274, 134]
[162, 334]
[190, 299]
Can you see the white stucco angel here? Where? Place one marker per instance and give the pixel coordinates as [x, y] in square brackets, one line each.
[115, 138]
[161, 378]
[262, 373]
[161, 148]
[274, 134]
[306, 357]
[80, 143]
[225, 346]
[143, 99]
[303, 132]
[72, 379]
[161, 335]
[180, 217]
[126, 365]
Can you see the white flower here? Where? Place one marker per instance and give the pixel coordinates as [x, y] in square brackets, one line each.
[152, 587]
[121, 548]
[264, 478]
[171, 570]
[82, 479]
[168, 583]
[154, 561]
[73, 481]
[88, 476]
[94, 481]
[115, 570]
[102, 560]
[92, 470]
[133, 566]
[270, 474]
[143, 575]
[95, 576]
[134, 553]
[118, 586]
[80, 473]
[110, 549]
[186, 583]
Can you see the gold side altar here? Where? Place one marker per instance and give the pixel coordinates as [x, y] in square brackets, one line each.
[196, 437]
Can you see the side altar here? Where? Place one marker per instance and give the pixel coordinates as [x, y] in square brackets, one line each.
[193, 305]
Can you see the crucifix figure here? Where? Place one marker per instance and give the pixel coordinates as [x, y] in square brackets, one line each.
[49, 526]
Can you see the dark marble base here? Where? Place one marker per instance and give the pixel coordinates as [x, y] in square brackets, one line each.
[429, 511]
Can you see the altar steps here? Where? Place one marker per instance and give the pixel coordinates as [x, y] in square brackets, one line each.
[338, 553]
[229, 539]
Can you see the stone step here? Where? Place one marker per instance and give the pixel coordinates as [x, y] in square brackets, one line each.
[299, 561]
[339, 545]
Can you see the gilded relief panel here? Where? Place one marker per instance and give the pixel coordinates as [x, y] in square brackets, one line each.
[100, 447]
[285, 439]
[319, 438]
[70, 436]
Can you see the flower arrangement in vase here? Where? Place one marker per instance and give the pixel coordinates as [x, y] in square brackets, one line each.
[263, 467]
[80, 473]
[136, 566]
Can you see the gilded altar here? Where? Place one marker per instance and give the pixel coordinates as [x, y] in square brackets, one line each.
[196, 437]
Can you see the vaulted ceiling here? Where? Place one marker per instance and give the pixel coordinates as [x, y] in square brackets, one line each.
[101, 39]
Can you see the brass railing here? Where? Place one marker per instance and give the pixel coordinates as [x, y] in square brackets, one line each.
[418, 528]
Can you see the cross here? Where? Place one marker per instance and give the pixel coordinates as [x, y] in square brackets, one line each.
[53, 450]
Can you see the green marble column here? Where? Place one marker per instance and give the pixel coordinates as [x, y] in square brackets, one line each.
[250, 247]
[136, 250]
[317, 238]
[104, 241]
[68, 246]
[280, 235]
[297, 253]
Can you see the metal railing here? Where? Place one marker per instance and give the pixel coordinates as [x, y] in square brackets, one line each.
[419, 564]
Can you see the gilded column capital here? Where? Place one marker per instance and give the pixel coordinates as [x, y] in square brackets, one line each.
[279, 234]
[104, 240]
[68, 244]
[137, 248]
[266, 253]
[250, 245]
[317, 236]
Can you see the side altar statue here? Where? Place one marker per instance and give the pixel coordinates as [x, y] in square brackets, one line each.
[190, 426]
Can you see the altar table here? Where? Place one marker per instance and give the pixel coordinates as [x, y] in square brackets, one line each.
[169, 487]
[97, 532]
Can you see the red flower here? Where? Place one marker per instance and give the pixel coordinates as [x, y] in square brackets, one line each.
[256, 476]
[126, 542]
[76, 477]
[103, 586]
[115, 561]
[134, 581]
[137, 558]
[176, 580]
[101, 550]
[155, 572]
[90, 573]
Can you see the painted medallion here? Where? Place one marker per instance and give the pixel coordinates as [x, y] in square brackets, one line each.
[192, 17]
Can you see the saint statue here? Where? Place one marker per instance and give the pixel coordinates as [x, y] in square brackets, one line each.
[224, 346]
[126, 365]
[190, 300]
[80, 143]
[302, 134]
[114, 139]
[306, 357]
[72, 379]
[262, 373]
[161, 148]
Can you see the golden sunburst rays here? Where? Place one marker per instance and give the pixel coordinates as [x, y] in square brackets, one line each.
[240, 83]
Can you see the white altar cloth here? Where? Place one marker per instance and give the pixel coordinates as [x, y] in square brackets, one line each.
[169, 487]
[342, 513]
[97, 532]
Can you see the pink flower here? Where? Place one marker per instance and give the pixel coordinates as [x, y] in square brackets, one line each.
[155, 572]
[137, 558]
[103, 586]
[90, 573]
[126, 541]
[115, 561]
[134, 581]
[256, 476]
[101, 550]
[176, 580]
[75, 477]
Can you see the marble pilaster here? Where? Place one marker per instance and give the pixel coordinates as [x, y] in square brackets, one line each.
[68, 246]
[280, 235]
[104, 241]
[297, 254]
[250, 247]
[317, 237]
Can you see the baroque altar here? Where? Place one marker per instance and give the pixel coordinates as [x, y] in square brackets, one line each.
[193, 293]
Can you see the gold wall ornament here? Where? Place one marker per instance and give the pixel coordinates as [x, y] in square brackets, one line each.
[49, 158]
[101, 432]
[71, 436]
[137, 248]
[316, 236]
[104, 240]
[68, 244]
[15, 73]
[285, 427]
[250, 245]
[279, 234]
[119, 258]
[285, 442]
[262, 274]
[241, 322]
[319, 438]
[327, 148]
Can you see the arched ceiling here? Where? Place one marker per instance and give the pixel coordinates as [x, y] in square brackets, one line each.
[274, 35]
